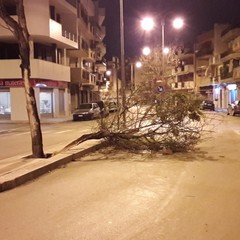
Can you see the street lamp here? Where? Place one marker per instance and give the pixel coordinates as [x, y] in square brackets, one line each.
[178, 23]
[108, 73]
[146, 51]
[138, 64]
[148, 24]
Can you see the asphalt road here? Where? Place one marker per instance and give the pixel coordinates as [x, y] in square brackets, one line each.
[123, 196]
[15, 138]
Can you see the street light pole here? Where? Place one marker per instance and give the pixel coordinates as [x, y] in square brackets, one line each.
[122, 59]
[163, 44]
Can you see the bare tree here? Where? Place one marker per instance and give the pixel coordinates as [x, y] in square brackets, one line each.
[20, 31]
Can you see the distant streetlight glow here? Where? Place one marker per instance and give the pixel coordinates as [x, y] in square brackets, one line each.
[108, 73]
[166, 50]
[178, 23]
[147, 24]
[146, 51]
[138, 64]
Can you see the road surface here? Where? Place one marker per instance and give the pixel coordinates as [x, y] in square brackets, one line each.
[15, 138]
[123, 196]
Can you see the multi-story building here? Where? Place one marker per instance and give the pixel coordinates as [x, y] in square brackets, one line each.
[87, 65]
[181, 74]
[217, 64]
[66, 40]
[208, 48]
[53, 29]
[229, 69]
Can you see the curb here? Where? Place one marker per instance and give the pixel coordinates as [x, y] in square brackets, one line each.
[18, 177]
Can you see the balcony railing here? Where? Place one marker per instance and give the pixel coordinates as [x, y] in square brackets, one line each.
[226, 53]
[183, 85]
[236, 45]
[204, 52]
[60, 34]
[236, 73]
[69, 35]
[79, 75]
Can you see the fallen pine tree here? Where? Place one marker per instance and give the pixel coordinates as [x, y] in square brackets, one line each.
[151, 121]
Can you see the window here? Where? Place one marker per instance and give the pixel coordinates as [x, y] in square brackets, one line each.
[5, 103]
[46, 105]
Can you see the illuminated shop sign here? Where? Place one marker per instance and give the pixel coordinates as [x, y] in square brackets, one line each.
[34, 83]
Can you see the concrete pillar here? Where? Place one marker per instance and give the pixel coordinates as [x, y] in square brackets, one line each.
[55, 102]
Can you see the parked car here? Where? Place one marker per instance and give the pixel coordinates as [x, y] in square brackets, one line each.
[112, 106]
[103, 108]
[87, 111]
[207, 105]
[233, 108]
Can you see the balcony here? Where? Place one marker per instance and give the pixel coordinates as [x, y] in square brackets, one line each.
[226, 76]
[202, 81]
[236, 73]
[183, 70]
[62, 36]
[99, 33]
[79, 75]
[101, 15]
[236, 45]
[205, 52]
[39, 69]
[86, 54]
[230, 34]
[183, 85]
[228, 55]
[215, 60]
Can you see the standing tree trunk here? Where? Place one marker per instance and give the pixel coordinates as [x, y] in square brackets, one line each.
[20, 31]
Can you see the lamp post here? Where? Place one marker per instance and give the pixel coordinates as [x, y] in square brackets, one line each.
[148, 24]
[122, 59]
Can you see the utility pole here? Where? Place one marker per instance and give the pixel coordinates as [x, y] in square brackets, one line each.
[122, 61]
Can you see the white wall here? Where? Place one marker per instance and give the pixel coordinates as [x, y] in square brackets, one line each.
[18, 104]
[37, 15]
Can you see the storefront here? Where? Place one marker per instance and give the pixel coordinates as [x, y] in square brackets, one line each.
[52, 97]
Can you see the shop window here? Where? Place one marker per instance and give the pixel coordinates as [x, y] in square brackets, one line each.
[46, 104]
[5, 104]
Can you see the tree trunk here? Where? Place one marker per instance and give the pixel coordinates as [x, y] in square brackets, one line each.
[34, 121]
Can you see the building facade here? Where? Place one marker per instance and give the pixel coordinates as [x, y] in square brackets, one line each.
[86, 62]
[55, 30]
[211, 69]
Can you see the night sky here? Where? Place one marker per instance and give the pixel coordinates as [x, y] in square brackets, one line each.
[199, 16]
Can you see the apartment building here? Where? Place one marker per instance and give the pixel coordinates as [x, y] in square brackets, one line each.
[86, 62]
[52, 26]
[229, 69]
[65, 35]
[217, 64]
[181, 75]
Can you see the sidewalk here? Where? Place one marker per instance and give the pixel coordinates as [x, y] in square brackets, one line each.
[17, 170]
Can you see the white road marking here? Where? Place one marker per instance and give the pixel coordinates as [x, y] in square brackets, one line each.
[64, 131]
